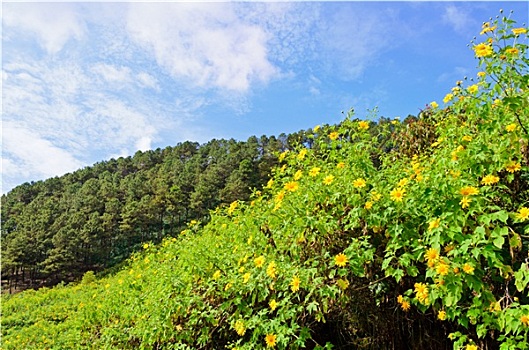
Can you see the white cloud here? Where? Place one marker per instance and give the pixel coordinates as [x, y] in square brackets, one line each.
[30, 154]
[113, 74]
[459, 19]
[147, 80]
[204, 44]
[53, 24]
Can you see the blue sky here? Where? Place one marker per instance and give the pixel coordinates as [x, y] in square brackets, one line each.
[86, 82]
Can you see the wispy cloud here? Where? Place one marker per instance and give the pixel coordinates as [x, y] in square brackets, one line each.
[207, 45]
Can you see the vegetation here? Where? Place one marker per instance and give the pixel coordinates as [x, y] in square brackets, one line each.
[96, 217]
[359, 241]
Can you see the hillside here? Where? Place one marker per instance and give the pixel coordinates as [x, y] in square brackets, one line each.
[94, 218]
[405, 235]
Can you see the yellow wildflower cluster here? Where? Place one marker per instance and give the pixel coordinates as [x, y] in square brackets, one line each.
[487, 28]
[518, 31]
[232, 207]
[466, 192]
[523, 214]
[328, 179]
[292, 186]
[431, 256]
[271, 270]
[513, 166]
[239, 327]
[483, 50]
[404, 304]
[294, 285]
[302, 154]
[397, 194]
[490, 180]
[421, 293]
[314, 171]
[270, 340]
[469, 269]
[433, 224]
[340, 260]
[359, 183]
[441, 315]
[259, 261]
[363, 125]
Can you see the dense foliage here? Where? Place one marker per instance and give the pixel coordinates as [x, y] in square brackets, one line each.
[360, 241]
[94, 218]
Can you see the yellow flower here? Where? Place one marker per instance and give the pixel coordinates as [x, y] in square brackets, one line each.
[397, 194]
[403, 182]
[481, 74]
[490, 179]
[511, 127]
[368, 205]
[232, 207]
[334, 135]
[340, 260]
[483, 50]
[359, 183]
[434, 224]
[294, 285]
[432, 254]
[467, 268]
[512, 51]
[487, 29]
[291, 186]
[465, 202]
[434, 104]
[216, 275]
[340, 165]
[146, 245]
[525, 320]
[270, 183]
[471, 347]
[259, 261]
[239, 327]
[283, 155]
[473, 88]
[272, 304]
[328, 179]
[442, 268]
[302, 154]
[405, 305]
[270, 340]
[314, 171]
[246, 277]
[467, 138]
[420, 288]
[400, 299]
[271, 270]
[448, 97]
[441, 315]
[523, 214]
[298, 175]
[513, 166]
[279, 197]
[468, 191]
[375, 196]
[363, 125]
[518, 31]
[316, 128]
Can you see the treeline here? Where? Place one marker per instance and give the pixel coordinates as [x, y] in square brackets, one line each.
[93, 218]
